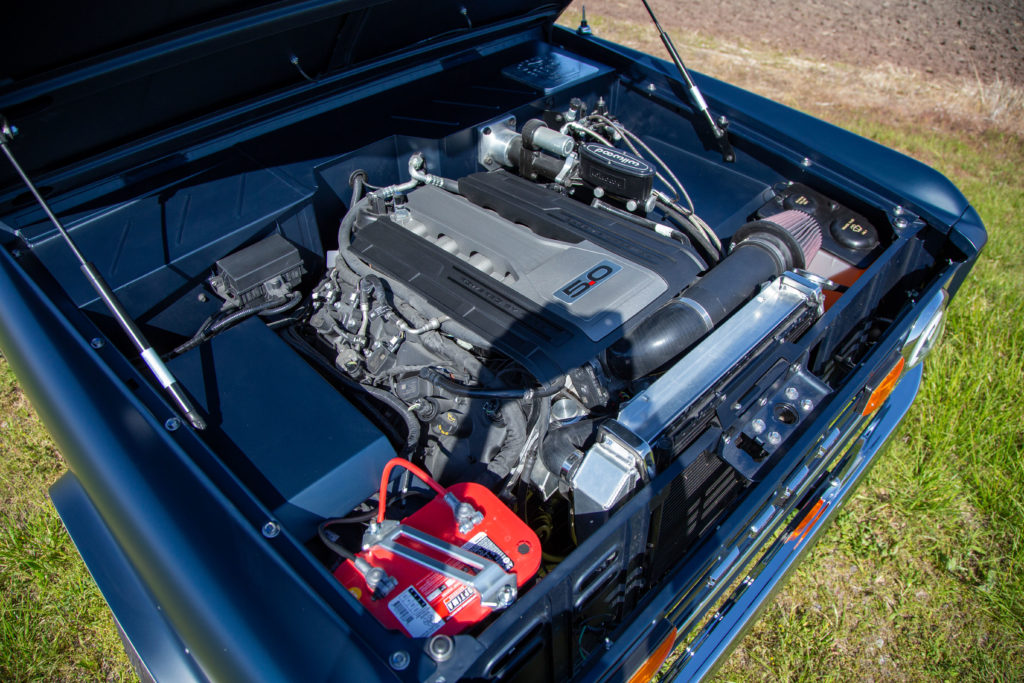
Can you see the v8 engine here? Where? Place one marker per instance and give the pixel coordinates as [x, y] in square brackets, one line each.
[529, 330]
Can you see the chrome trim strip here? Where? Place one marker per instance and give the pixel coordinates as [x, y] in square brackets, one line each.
[743, 607]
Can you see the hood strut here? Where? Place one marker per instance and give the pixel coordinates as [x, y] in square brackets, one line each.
[719, 133]
[146, 351]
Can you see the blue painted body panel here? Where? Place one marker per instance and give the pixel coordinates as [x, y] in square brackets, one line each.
[205, 564]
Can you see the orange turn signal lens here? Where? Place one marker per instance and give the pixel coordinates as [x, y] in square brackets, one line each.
[884, 388]
[654, 661]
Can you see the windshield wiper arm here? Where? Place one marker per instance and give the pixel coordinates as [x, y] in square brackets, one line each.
[718, 132]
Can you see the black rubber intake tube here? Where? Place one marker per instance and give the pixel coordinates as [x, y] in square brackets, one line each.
[762, 254]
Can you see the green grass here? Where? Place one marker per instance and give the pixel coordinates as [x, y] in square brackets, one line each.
[920, 578]
[54, 624]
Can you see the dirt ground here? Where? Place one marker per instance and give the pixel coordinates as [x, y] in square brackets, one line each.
[954, 38]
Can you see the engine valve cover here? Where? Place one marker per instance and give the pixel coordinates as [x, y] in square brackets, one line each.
[551, 280]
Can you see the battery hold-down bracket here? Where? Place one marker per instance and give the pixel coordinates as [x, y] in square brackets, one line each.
[445, 567]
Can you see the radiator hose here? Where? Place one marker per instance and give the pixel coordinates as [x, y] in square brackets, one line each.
[762, 250]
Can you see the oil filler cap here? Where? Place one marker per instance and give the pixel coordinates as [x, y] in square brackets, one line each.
[853, 233]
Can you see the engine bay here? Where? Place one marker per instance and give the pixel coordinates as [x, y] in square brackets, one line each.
[536, 342]
[446, 349]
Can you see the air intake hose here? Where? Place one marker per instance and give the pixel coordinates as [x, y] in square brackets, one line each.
[762, 250]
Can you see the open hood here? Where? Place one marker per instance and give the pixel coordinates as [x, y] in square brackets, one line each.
[84, 78]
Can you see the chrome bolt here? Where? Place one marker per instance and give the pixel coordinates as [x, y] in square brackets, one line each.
[805, 162]
[897, 210]
[399, 660]
[757, 426]
[507, 597]
[171, 424]
[202, 298]
[736, 406]
[271, 529]
[806, 405]
[901, 222]
[440, 648]
[792, 394]
[97, 343]
[651, 87]
[774, 438]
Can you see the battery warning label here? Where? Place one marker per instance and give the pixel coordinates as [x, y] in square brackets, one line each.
[415, 614]
[482, 545]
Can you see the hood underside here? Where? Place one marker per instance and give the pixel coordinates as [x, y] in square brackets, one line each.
[89, 77]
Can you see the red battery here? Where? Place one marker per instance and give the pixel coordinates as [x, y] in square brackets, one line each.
[444, 567]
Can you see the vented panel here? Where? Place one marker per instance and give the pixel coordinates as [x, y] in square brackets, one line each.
[695, 501]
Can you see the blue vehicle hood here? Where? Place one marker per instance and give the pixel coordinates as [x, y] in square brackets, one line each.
[82, 78]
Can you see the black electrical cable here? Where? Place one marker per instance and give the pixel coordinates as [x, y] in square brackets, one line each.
[540, 429]
[506, 459]
[214, 325]
[290, 302]
[364, 517]
[336, 547]
[439, 380]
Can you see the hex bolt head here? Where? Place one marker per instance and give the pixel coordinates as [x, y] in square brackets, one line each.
[399, 660]
[271, 529]
[792, 394]
[757, 426]
[806, 405]
[440, 648]
[506, 597]
[172, 424]
[774, 438]
[97, 343]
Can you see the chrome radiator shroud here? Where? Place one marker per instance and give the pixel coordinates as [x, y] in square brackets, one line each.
[623, 456]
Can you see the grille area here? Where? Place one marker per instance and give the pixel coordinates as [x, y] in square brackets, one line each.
[693, 503]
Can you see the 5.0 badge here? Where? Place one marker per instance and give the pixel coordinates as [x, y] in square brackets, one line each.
[586, 281]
